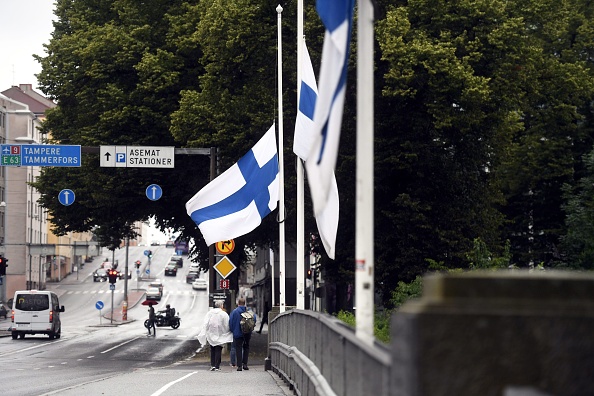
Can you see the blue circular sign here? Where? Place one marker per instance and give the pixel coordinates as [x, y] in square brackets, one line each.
[112, 287]
[99, 305]
[154, 192]
[66, 197]
[148, 271]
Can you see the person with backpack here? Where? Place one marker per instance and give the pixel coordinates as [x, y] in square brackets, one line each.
[242, 322]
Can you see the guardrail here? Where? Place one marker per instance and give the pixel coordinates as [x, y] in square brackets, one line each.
[317, 354]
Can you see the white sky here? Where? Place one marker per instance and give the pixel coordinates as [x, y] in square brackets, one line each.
[25, 25]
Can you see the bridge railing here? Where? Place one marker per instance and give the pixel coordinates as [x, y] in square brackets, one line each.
[317, 354]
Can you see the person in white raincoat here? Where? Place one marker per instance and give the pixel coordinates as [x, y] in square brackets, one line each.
[215, 331]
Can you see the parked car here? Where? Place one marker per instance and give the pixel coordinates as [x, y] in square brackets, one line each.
[191, 276]
[100, 275]
[199, 284]
[3, 311]
[153, 293]
[171, 269]
[178, 259]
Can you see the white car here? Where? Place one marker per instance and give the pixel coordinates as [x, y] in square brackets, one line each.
[153, 293]
[199, 284]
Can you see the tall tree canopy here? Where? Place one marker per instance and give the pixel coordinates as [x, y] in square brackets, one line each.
[483, 112]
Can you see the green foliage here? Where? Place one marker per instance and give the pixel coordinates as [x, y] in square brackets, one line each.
[578, 243]
[381, 324]
[405, 291]
[481, 258]
[482, 114]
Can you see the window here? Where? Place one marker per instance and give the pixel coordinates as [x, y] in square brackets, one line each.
[32, 302]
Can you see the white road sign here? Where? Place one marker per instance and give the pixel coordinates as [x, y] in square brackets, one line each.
[137, 156]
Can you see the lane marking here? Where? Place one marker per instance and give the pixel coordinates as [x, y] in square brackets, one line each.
[167, 386]
[119, 345]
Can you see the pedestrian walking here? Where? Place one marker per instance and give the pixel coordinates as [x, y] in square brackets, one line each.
[151, 321]
[215, 331]
[242, 323]
[264, 317]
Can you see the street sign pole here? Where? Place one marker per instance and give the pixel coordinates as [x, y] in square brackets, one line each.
[111, 317]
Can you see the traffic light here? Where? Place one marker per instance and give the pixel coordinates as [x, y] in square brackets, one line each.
[112, 275]
[150, 255]
[3, 265]
[309, 272]
[137, 263]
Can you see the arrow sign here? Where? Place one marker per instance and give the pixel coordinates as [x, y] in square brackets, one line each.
[154, 192]
[225, 247]
[66, 197]
[107, 155]
[99, 305]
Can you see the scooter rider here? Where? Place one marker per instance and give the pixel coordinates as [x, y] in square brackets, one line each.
[169, 313]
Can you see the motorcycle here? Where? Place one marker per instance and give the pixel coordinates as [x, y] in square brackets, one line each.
[162, 321]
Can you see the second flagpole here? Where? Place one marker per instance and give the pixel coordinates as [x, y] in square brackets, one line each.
[281, 203]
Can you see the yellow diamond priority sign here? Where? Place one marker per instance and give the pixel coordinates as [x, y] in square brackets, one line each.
[224, 267]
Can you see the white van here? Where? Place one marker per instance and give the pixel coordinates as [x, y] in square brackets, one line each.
[36, 312]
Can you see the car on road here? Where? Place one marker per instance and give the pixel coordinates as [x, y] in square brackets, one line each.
[192, 275]
[169, 244]
[100, 275]
[122, 276]
[178, 259]
[199, 284]
[171, 269]
[155, 243]
[153, 293]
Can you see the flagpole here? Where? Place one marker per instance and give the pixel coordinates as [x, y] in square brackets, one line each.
[300, 178]
[281, 204]
[364, 249]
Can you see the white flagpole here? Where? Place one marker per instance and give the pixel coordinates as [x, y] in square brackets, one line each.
[364, 254]
[281, 203]
[300, 178]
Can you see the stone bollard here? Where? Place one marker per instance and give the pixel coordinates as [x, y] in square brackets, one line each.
[496, 333]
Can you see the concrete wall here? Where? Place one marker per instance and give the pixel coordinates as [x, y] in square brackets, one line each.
[493, 333]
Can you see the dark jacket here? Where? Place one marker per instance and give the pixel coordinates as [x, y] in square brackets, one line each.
[234, 320]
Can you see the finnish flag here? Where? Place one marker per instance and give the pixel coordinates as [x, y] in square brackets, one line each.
[337, 17]
[327, 219]
[304, 123]
[235, 203]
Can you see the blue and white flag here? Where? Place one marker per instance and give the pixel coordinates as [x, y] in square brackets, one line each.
[304, 123]
[235, 203]
[327, 219]
[337, 16]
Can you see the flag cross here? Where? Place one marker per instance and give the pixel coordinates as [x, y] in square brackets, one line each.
[255, 189]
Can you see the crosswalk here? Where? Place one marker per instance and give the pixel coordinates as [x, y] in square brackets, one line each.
[121, 291]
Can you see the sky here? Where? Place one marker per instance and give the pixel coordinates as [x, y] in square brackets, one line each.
[25, 25]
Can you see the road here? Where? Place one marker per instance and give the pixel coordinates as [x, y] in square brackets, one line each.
[92, 353]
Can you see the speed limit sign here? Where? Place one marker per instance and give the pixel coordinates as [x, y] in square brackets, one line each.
[224, 284]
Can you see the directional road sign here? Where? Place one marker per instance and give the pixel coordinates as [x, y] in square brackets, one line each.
[99, 305]
[154, 192]
[112, 287]
[40, 155]
[66, 197]
[137, 156]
